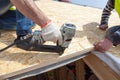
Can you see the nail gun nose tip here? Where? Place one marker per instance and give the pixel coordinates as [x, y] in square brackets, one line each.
[60, 50]
[68, 40]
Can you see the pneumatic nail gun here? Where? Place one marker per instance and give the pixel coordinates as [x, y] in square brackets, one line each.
[67, 31]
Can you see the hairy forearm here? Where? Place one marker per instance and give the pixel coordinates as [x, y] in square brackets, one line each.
[30, 10]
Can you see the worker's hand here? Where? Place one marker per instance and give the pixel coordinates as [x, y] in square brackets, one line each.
[103, 45]
[103, 27]
[52, 33]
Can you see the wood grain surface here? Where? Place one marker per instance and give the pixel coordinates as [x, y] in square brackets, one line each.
[85, 18]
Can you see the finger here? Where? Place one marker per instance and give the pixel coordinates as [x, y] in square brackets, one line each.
[60, 41]
[100, 48]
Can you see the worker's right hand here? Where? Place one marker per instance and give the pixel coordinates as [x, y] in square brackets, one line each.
[103, 45]
[103, 27]
[52, 33]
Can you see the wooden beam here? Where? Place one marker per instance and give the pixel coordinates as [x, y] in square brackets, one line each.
[61, 73]
[101, 69]
[80, 70]
[51, 75]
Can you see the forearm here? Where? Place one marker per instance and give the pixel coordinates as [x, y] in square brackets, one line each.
[30, 10]
[107, 12]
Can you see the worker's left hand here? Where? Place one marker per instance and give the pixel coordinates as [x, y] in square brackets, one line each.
[103, 45]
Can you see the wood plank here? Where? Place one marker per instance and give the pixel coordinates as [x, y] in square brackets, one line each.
[80, 70]
[101, 69]
[61, 73]
[15, 61]
[51, 75]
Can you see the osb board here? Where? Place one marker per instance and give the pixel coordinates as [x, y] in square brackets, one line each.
[85, 18]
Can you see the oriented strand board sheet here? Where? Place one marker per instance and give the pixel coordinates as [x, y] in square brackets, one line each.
[85, 18]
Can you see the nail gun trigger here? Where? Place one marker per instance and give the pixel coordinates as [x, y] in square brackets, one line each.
[68, 40]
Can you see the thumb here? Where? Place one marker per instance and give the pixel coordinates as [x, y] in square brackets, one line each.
[60, 41]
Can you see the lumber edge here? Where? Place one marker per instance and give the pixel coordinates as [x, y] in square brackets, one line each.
[100, 68]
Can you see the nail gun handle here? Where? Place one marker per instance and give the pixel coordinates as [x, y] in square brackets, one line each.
[68, 31]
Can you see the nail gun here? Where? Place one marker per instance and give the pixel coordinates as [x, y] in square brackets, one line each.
[67, 31]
